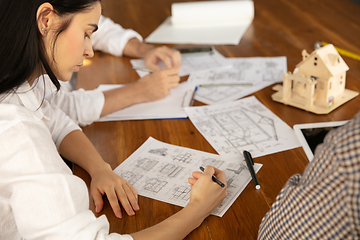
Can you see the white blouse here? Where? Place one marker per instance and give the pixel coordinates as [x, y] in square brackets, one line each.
[40, 198]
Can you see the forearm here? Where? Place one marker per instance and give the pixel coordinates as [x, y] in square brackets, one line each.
[77, 148]
[123, 97]
[175, 227]
[136, 48]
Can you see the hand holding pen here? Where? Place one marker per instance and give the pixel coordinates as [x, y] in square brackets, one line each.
[214, 176]
[205, 194]
[157, 84]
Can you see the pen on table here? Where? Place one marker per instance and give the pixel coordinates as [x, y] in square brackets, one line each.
[143, 69]
[250, 163]
[214, 179]
[341, 51]
[225, 84]
[193, 97]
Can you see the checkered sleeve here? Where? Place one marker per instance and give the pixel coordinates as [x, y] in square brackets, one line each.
[323, 202]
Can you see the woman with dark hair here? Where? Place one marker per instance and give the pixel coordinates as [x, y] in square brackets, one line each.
[39, 197]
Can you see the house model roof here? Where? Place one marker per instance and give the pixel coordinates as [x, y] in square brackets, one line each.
[329, 58]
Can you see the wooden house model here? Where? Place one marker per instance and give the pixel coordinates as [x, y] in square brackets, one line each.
[317, 84]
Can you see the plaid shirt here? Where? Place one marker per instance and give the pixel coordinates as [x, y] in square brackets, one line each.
[324, 202]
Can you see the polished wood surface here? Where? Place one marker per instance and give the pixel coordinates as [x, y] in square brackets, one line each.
[280, 28]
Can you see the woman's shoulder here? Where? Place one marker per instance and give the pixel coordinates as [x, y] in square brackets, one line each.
[11, 114]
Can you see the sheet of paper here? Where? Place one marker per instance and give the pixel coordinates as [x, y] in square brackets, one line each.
[214, 35]
[171, 106]
[160, 171]
[245, 124]
[205, 23]
[259, 71]
[189, 63]
[210, 13]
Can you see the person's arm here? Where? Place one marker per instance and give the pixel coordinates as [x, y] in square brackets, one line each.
[151, 87]
[77, 148]
[152, 55]
[114, 39]
[205, 197]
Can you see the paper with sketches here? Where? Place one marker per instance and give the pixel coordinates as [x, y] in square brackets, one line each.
[160, 171]
[171, 106]
[189, 63]
[245, 124]
[206, 22]
[259, 71]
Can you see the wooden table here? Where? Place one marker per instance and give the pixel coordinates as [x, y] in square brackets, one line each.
[280, 28]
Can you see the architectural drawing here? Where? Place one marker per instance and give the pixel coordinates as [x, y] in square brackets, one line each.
[258, 71]
[161, 152]
[168, 179]
[182, 193]
[245, 124]
[190, 63]
[171, 170]
[183, 157]
[146, 163]
[130, 177]
[154, 185]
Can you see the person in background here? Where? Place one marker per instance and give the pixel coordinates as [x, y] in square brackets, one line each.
[323, 202]
[40, 198]
[85, 107]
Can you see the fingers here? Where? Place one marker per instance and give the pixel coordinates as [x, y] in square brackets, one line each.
[170, 57]
[117, 190]
[98, 201]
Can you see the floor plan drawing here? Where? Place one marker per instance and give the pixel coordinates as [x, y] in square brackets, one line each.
[241, 125]
[260, 72]
[164, 177]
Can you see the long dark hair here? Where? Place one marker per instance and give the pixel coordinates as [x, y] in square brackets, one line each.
[21, 45]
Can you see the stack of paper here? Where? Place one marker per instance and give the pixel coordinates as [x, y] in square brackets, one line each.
[205, 22]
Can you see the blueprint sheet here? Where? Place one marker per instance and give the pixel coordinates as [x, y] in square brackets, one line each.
[245, 124]
[259, 71]
[189, 63]
[160, 171]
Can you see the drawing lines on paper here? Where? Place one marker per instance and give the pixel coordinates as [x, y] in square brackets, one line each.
[161, 151]
[218, 94]
[232, 171]
[130, 177]
[154, 185]
[240, 128]
[181, 193]
[146, 163]
[212, 162]
[171, 170]
[272, 71]
[183, 157]
[193, 64]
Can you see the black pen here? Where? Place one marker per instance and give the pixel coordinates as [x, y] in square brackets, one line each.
[250, 163]
[214, 179]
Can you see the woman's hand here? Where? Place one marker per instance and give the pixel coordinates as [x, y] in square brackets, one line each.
[207, 194]
[105, 181]
[170, 57]
[157, 85]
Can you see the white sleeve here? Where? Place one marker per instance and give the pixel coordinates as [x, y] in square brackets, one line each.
[83, 107]
[111, 37]
[39, 194]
